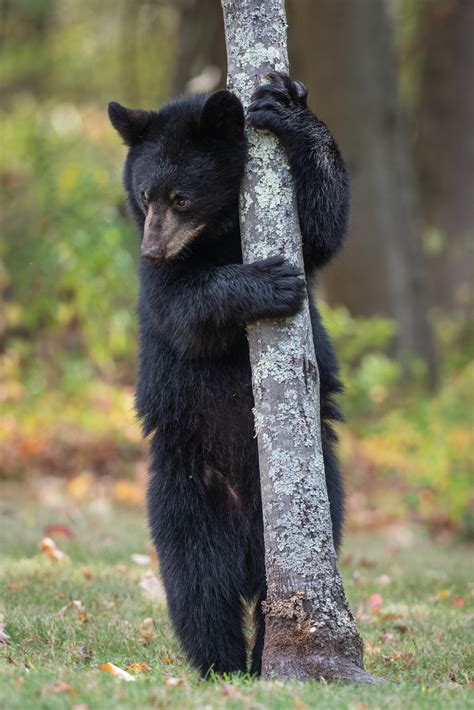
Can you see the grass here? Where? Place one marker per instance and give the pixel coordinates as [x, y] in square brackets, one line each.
[418, 635]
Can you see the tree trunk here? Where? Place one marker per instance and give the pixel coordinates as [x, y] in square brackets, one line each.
[342, 50]
[310, 630]
[445, 145]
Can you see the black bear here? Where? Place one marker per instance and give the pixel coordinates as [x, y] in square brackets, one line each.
[182, 176]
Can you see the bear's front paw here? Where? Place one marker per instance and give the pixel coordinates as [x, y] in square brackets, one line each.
[277, 105]
[283, 287]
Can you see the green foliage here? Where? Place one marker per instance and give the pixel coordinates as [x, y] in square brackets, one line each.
[69, 266]
[420, 440]
[67, 270]
[362, 345]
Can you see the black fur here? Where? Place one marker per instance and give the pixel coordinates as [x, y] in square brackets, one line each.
[194, 391]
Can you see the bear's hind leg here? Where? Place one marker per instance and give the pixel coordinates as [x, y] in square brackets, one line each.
[209, 626]
[201, 558]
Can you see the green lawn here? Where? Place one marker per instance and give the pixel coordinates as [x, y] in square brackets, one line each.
[418, 635]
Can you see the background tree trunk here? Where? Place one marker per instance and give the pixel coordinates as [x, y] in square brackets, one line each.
[201, 44]
[310, 631]
[445, 145]
[342, 50]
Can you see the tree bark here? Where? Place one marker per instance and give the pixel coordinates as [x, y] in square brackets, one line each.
[310, 630]
[342, 50]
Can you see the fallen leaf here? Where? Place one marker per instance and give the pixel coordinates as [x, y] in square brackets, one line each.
[49, 549]
[147, 635]
[375, 602]
[383, 580]
[367, 562]
[142, 560]
[152, 586]
[81, 706]
[87, 574]
[390, 616]
[406, 657]
[61, 687]
[149, 621]
[117, 672]
[458, 602]
[78, 606]
[439, 596]
[167, 660]
[232, 692]
[14, 586]
[174, 682]
[401, 627]
[58, 531]
[139, 667]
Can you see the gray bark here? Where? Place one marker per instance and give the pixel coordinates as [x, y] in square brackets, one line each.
[310, 630]
[342, 50]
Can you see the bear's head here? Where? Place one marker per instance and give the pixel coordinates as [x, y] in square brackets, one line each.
[183, 170]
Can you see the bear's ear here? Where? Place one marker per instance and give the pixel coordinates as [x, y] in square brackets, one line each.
[222, 117]
[131, 124]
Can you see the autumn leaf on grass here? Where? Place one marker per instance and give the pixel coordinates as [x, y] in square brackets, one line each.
[142, 560]
[79, 607]
[406, 659]
[49, 549]
[439, 596]
[152, 586]
[61, 687]
[374, 602]
[14, 586]
[231, 691]
[174, 682]
[117, 672]
[55, 530]
[458, 602]
[139, 667]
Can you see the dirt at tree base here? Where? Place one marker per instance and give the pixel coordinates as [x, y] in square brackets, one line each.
[297, 647]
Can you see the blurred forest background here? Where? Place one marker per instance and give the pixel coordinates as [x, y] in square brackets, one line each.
[394, 81]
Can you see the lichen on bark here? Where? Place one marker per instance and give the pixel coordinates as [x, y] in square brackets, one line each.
[310, 630]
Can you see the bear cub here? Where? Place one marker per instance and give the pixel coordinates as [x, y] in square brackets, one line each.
[182, 176]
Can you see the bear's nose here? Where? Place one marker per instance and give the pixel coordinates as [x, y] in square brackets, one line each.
[153, 246]
[153, 252]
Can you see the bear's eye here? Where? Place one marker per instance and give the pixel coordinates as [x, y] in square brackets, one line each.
[181, 203]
